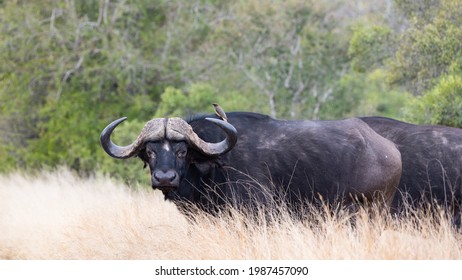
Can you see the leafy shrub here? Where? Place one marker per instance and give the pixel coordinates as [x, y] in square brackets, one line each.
[442, 105]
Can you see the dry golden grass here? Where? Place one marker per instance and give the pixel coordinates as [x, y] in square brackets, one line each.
[61, 216]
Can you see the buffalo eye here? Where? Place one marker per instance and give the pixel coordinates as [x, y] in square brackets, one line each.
[181, 153]
[150, 154]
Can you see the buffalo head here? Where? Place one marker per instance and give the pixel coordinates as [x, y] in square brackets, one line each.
[165, 144]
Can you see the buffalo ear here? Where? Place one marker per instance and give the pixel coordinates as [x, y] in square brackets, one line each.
[206, 166]
[141, 156]
[203, 163]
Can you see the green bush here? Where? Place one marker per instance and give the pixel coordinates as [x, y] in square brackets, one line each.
[178, 103]
[367, 94]
[442, 105]
[429, 46]
[370, 46]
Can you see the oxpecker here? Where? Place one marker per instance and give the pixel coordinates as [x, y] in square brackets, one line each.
[219, 111]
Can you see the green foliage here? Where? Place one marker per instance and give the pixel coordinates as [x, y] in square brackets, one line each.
[294, 64]
[71, 67]
[172, 101]
[366, 94]
[7, 157]
[428, 60]
[429, 46]
[370, 46]
[68, 71]
[196, 98]
[418, 10]
[442, 105]
[366, 87]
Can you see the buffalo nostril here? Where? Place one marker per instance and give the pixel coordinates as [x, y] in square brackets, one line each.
[165, 178]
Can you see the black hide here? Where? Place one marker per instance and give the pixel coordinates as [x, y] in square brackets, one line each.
[293, 161]
[432, 162]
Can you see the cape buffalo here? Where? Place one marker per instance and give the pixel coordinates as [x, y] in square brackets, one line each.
[251, 158]
[432, 163]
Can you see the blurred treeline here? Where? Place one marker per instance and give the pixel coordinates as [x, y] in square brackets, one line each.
[69, 67]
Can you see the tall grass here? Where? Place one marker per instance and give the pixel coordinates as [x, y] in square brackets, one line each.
[59, 215]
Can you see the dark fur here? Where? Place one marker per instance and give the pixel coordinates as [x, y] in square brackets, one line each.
[296, 160]
[432, 162]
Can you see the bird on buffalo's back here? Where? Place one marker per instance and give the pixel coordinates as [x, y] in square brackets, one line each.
[220, 112]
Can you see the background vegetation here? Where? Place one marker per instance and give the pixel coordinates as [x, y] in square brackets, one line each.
[70, 67]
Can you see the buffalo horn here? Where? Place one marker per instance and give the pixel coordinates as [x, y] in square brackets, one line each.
[153, 130]
[178, 129]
